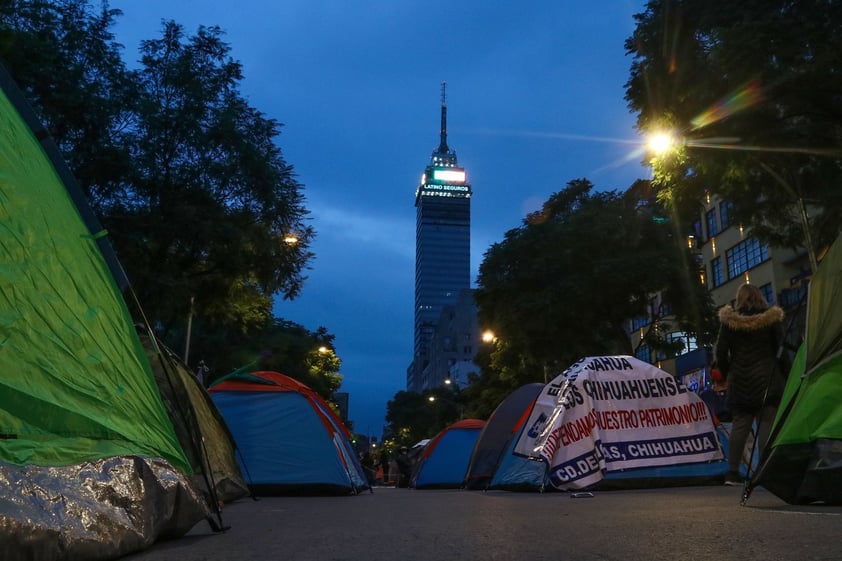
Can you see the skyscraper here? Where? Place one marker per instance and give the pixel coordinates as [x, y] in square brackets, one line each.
[442, 247]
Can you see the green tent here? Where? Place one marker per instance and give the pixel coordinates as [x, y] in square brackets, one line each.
[803, 463]
[90, 463]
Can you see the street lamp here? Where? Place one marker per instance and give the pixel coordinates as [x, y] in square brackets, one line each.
[661, 143]
[802, 210]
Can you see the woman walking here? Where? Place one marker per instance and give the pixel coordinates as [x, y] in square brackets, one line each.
[750, 337]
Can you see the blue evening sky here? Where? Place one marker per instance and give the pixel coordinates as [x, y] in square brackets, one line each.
[535, 96]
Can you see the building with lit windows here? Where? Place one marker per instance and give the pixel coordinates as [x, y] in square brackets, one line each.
[731, 257]
[442, 250]
[455, 341]
[728, 256]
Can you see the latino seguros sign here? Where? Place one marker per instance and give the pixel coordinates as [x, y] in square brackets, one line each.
[613, 413]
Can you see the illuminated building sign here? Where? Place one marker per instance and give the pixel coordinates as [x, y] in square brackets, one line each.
[456, 176]
[432, 189]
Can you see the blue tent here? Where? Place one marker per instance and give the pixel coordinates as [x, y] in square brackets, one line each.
[519, 473]
[516, 472]
[444, 461]
[702, 473]
[290, 441]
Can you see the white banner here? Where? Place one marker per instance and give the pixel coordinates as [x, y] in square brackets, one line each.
[612, 413]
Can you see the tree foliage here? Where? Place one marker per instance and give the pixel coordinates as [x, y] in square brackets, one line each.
[64, 57]
[278, 345]
[412, 416]
[566, 283]
[752, 89]
[210, 200]
[186, 176]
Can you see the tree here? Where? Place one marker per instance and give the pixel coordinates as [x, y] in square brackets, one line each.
[206, 212]
[565, 284]
[278, 345]
[752, 89]
[184, 175]
[412, 416]
[63, 56]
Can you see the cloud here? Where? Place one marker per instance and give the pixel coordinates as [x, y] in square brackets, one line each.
[363, 232]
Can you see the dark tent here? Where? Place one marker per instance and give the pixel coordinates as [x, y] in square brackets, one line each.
[496, 438]
[199, 425]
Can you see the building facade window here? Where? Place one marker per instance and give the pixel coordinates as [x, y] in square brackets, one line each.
[688, 341]
[643, 353]
[716, 276]
[768, 293]
[745, 255]
[697, 230]
[712, 223]
[639, 322]
[726, 212]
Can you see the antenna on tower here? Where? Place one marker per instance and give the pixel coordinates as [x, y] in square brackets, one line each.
[443, 149]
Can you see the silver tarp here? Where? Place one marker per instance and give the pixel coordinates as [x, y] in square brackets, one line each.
[94, 511]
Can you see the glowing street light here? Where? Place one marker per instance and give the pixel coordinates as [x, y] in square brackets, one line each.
[488, 336]
[661, 143]
[433, 399]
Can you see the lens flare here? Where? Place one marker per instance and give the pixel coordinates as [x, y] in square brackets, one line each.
[750, 95]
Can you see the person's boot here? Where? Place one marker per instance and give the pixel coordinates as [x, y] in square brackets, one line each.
[732, 478]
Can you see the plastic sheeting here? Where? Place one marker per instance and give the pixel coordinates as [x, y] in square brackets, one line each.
[93, 511]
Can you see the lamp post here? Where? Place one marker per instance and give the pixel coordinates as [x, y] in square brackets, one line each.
[802, 211]
[189, 331]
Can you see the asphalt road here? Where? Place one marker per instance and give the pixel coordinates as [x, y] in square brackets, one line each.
[688, 524]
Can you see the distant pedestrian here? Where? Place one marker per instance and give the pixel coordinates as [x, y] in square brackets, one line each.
[404, 467]
[384, 467]
[202, 373]
[369, 467]
[750, 337]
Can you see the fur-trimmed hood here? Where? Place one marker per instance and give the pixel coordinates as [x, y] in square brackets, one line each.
[750, 322]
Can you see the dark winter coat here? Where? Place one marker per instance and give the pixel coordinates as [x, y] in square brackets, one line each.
[746, 354]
